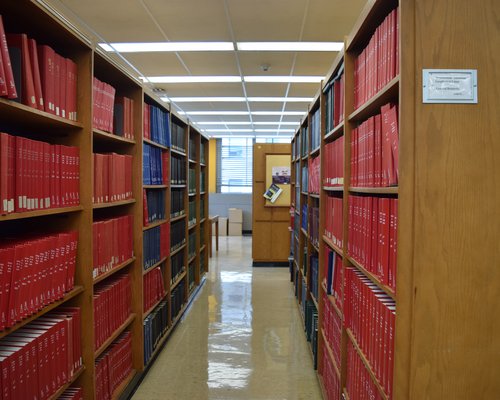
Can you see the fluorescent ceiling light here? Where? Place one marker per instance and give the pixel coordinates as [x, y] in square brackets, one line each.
[276, 123]
[289, 46]
[149, 47]
[245, 123]
[213, 112]
[275, 130]
[283, 79]
[193, 79]
[240, 99]
[300, 113]
[228, 130]
[222, 136]
[282, 99]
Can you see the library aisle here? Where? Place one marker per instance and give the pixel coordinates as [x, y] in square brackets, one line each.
[242, 338]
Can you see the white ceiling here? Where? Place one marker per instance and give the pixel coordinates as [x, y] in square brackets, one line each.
[226, 21]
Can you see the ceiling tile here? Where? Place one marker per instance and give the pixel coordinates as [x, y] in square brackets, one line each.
[265, 89]
[156, 64]
[280, 63]
[211, 63]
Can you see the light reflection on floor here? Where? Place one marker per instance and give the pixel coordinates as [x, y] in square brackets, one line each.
[241, 339]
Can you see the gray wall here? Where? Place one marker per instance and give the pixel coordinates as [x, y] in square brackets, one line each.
[218, 204]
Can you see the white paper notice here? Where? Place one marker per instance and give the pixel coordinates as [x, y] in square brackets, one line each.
[449, 86]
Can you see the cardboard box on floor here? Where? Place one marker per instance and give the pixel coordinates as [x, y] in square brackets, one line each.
[235, 215]
[222, 226]
[235, 228]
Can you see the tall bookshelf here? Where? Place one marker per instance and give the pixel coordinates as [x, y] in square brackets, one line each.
[82, 132]
[442, 346]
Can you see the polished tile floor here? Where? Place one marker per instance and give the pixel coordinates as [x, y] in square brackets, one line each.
[242, 338]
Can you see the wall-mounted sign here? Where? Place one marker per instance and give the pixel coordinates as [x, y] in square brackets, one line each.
[450, 86]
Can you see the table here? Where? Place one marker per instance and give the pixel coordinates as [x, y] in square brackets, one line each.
[214, 219]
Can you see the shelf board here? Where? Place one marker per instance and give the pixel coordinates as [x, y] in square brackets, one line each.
[178, 186]
[178, 152]
[202, 248]
[330, 353]
[203, 192]
[385, 95]
[179, 278]
[202, 164]
[192, 194]
[61, 390]
[177, 250]
[304, 231]
[155, 186]
[114, 335]
[154, 224]
[315, 151]
[375, 190]
[119, 390]
[149, 141]
[334, 247]
[202, 220]
[297, 212]
[304, 158]
[367, 364]
[145, 271]
[13, 111]
[331, 299]
[314, 195]
[373, 278]
[193, 225]
[76, 291]
[110, 137]
[39, 213]
[150, 309]
[305, 193]
[335, 133]
[113, 270]
[113, 204]
[314, 301]
[178, 218]
[345, 394]
[192, 161]
[314, 245]
[339, 189]
[191, 259]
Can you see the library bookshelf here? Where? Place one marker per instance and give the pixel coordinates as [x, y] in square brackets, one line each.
[442, 308]
[111, 162]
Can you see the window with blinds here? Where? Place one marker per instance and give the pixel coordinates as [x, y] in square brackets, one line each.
[234, 165]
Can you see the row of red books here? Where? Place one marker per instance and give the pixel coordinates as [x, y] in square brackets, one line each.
[359, 384]
[331, 380]
[333, 275]
[123, 117]
[154, 288]
[314, 175]
[334, 219]
[103, 95]
[36, 175]
[375, 150]
[112, 177]
[112, 243]
[112, 306]
[37, 76]
[373, 235]
[72, 393]
[332, 328]
[334, 163]
[113, 367]
[36, 360]
[370, 314]
[33, 273]
[378, 63]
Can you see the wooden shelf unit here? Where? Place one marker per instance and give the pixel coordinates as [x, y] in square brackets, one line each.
[41, 23]
[443, 345]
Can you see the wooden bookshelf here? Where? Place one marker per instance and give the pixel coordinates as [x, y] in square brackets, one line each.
[71, 381]
[433, 303]
[46, 27]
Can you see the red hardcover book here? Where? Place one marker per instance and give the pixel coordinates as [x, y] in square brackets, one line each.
[11, 358]
[383, 237]
[392, 120]
[46, 58]
[73, 89]
[393, 257]
[19, 203]
[4, 172]
[21, 67]
[63, 83]
[388, 176]
[9, 74]
[57, 83]
[3, 83]
[35, 67]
